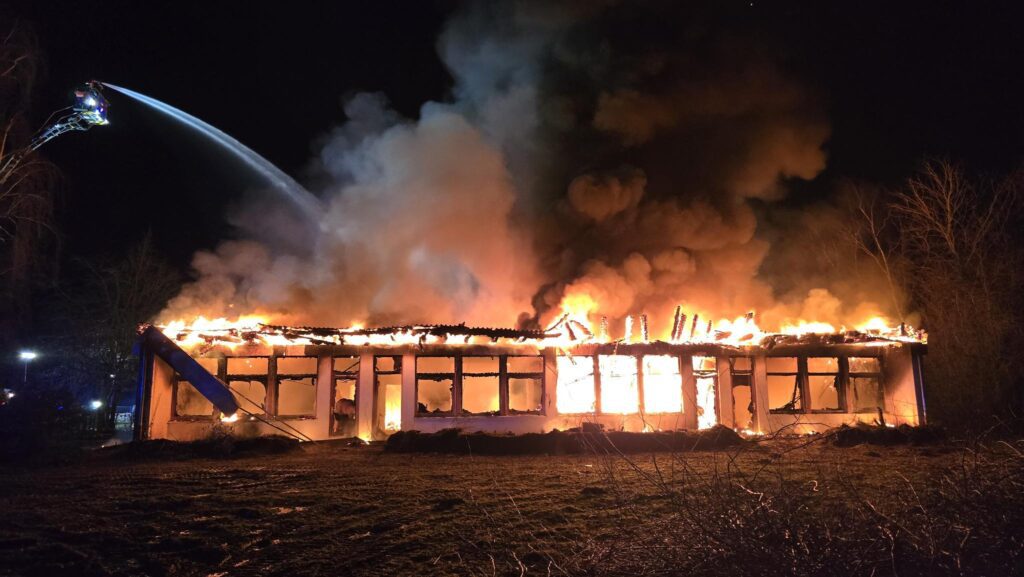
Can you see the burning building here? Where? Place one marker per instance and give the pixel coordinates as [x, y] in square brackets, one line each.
[574, 168]
[319, 383]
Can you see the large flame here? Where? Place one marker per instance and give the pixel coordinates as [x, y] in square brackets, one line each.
[392, 408]
[579, 310]
[575, 389]
[575, 326]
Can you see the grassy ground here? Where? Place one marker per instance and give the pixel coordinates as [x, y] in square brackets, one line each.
[778, 507]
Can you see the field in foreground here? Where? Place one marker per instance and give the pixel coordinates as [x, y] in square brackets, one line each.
[777, 507]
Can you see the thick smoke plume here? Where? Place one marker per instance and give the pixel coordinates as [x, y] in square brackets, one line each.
[577, 163]
[417, 228]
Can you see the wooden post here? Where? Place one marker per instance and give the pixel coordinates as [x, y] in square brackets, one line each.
[759, 392]
[726, 415]
[366, 396]
[549, 383]
[640, 386]
[270, 402]
[503, 385]
[675, 323]
[324, 396]
[689, 392]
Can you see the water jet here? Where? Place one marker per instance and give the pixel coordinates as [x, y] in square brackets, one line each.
[279, 181]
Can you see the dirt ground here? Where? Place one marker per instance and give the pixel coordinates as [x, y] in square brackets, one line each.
[336, 510]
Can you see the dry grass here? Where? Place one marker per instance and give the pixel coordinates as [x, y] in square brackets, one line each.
[779, 507]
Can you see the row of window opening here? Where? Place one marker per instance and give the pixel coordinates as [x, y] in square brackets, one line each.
[474, 384]
[468, 386]
[287, 391]
[794, 384]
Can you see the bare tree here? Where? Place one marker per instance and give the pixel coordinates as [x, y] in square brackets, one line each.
[869, 232]
[947, 241]
[26, 180]
[102, 314]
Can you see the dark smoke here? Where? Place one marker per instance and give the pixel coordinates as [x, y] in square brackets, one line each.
[576, 155]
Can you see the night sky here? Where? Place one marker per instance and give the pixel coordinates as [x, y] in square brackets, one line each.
[900, 84]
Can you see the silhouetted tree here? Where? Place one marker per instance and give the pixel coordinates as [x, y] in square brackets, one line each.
[26, 180]
[952, 245]
[95, 326]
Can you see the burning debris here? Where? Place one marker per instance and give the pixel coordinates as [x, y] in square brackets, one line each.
[204, 333]
[566, 331]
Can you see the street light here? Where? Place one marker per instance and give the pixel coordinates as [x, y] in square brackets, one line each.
[26, 357]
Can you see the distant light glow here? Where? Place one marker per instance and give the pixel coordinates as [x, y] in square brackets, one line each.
[95, 404]
[28, 355]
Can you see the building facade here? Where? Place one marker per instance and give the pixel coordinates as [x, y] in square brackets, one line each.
[510, 382]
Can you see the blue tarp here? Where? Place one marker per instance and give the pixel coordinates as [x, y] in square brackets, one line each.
[208, 385]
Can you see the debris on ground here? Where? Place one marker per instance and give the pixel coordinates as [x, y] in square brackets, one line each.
[581, 440]
[214, 447]
[860, 434]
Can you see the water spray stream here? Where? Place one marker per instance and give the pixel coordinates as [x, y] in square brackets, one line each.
[274, 175]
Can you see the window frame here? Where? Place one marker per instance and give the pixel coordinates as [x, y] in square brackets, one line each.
[642, 385]
[638, 369]
[749, 373]
[840, 384]
[716, 385]
[266, 379]
[505, 398]
[596, 372]
[461, 371]
[843, 383]
[276, 379]
[503, 374]
[800, 364]
[337, 375]
[377, 400]
[639, 359]
[176, 380]
[880, 376]
[432, 376]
